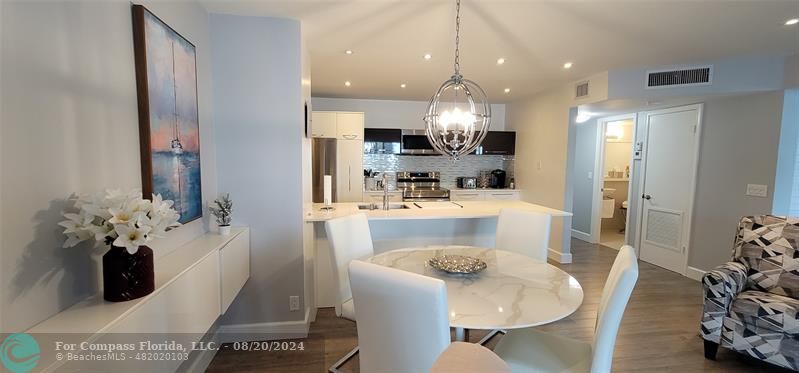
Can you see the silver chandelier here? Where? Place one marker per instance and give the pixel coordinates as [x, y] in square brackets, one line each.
[458, 115]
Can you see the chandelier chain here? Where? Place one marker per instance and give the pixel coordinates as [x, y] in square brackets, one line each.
[457, 36]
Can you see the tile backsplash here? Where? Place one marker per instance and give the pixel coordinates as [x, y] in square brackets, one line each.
[469, 165]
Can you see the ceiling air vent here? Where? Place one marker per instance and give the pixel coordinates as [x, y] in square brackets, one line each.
[682, 77]
[581, 90]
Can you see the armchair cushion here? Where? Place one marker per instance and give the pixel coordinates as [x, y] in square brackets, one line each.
[765, 311]
[767, 245]
[721, 285]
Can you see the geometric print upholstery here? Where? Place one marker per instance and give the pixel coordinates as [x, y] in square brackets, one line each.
[766, 311]
[751, 303]
[767, 246]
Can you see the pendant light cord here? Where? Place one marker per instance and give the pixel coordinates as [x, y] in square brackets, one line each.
[457, 36]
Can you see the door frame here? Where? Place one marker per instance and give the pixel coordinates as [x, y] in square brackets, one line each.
[599, 171]
[689, 214]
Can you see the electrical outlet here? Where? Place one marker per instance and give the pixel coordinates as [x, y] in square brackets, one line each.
[590, 175]
[757, 190]
[294, 303]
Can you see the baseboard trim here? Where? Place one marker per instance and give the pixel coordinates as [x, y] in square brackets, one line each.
[581, 235]
[694, 273]
[562, 258]
[265, 330]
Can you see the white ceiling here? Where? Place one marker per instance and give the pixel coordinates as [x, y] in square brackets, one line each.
[535, 37]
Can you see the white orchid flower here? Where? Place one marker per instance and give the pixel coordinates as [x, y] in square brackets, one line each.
[77, 228]
[131, 237]
[124, 216]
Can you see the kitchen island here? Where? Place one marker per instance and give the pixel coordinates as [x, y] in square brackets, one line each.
[471, 223]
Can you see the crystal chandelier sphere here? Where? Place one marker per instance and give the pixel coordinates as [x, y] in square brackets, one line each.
[458, 117]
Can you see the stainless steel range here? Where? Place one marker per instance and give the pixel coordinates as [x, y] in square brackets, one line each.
[421, 186]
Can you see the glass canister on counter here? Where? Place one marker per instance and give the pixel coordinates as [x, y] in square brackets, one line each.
[484, 179]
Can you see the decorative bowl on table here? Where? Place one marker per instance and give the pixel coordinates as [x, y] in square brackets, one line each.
[457, 264]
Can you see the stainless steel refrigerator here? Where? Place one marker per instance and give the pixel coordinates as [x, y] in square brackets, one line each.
[323, 155]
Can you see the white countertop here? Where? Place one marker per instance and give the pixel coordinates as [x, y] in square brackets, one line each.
[447, 210]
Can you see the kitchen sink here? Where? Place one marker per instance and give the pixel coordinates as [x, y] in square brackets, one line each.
[379, 206]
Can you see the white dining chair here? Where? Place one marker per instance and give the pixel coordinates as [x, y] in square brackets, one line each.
[528, 350]
[349, 239]
[461, 357]
[524, 232]
[403, 324]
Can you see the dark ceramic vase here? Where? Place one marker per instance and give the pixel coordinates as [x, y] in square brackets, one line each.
[127, 276]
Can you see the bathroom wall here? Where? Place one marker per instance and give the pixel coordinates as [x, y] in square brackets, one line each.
[470, 165]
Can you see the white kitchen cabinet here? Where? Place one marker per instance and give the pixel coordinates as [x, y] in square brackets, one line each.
[484, 195]
[323, 124]
[349, 126]
[509, 195]
[349, 170]
[466, 195]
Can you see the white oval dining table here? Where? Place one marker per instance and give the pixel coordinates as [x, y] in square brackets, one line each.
[514, 291]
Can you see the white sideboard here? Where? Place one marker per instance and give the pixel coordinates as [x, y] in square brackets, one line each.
[194, 285]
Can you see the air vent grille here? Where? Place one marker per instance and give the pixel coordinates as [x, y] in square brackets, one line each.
[671, 78]
[581, 90]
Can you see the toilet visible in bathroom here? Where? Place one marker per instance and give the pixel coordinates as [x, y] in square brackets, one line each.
[608, 203]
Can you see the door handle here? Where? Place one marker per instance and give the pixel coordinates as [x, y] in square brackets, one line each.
[646, 196]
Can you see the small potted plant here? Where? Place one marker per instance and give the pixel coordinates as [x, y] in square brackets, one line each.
[126, 222]
[222, 209]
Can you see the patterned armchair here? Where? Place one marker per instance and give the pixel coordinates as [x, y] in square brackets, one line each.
[751, 303]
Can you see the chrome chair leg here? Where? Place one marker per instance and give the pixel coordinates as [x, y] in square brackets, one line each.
[335, 367]
[490, 335]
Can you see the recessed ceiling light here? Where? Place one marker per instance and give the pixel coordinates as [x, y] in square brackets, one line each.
[428, 56]
[348, 51]
[402, 85]
[347, 83]
[500, 61]
[791, 21]
[567, 65]
[507, 90]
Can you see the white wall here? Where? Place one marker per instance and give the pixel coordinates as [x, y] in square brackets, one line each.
[730, 76]
[541, 123]
[739, 146]
[786, 183]
[70, 125]
[393, 113]
[259, 116]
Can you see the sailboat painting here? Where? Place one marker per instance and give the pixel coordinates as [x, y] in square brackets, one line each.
[169, 131]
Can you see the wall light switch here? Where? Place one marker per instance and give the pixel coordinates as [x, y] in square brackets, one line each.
[757, 190]
[539, 166]
[590, 175]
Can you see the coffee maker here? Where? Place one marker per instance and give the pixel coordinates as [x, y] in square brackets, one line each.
[497, 179]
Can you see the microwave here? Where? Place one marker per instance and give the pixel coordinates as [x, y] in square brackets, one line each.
[415, 142]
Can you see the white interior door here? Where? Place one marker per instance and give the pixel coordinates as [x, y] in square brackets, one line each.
[670, 155]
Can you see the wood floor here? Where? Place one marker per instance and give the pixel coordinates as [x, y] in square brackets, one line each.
[659, 332]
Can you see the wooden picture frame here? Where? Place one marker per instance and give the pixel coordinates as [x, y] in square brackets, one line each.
[169, 133]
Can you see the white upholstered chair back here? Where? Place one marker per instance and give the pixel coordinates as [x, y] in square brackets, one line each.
[349, 239]
[524, 232]
[615, 295]
[403, 324]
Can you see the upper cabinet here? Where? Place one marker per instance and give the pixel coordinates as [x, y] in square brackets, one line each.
[349, 126]
[498, 143]
[337, 125]
[382, 140]
[323, 124]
